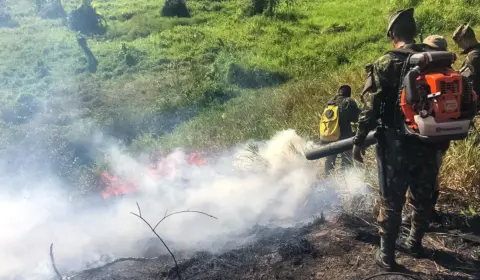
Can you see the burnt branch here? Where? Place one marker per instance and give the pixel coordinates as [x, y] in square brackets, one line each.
[139, 210]
[166, 215]
[180, 212]
[161, 240]
[53, 263]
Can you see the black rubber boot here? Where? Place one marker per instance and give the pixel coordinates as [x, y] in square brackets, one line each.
[385, 255]
[434, 216]
[407, 219]
[414, 249]
[407, 215]
[412, 245]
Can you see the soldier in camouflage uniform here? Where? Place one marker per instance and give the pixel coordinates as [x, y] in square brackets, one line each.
[464, 37]
[433, 43]
[402, 161]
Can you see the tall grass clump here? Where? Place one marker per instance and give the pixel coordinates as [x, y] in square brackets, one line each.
[461, 165]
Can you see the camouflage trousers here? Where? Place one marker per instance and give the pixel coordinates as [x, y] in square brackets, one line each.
[440, 155]
[405, 163]
[436, 192]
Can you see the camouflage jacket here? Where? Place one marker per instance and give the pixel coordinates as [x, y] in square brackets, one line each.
[381, 92]
[471, 67]
[348, 113]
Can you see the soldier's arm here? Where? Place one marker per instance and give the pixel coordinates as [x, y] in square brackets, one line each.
[473, 61]
[373, 93]
[470, 65]
[355, 111]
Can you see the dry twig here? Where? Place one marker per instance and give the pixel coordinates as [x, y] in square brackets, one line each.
[179, 212]
[139, 215]
[53, 263]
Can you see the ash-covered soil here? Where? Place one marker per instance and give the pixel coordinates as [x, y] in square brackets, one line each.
[340, 248]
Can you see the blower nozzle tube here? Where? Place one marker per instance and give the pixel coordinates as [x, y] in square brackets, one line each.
[338, 147]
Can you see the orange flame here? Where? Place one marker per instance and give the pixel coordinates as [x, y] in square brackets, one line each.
[115, 187]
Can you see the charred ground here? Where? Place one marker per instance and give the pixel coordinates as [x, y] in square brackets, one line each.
[338, 248]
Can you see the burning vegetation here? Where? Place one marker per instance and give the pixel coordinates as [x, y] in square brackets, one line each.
[160, 167]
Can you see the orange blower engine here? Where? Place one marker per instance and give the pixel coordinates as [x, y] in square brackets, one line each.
[438, 103]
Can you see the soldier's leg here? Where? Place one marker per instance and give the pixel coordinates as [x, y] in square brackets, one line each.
[423, 173]
[407, 210]
[406, 219]
[436, 193]
[330, 164]
[393, 187]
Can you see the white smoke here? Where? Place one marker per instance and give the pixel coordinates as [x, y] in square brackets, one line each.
[272, 183]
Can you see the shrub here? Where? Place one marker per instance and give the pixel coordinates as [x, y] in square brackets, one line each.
[255, 78]
[175, 8]
[86, 20]
[267, 7]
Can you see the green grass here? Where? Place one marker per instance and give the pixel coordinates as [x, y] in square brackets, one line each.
[187, 65]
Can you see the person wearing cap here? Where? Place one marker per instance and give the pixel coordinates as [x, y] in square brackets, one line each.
[436, 43]
[348, 114]
[464, 37]
[402, 161]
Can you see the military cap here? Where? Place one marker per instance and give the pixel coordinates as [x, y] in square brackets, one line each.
[436, 41]
[406, 14]
[463, 31]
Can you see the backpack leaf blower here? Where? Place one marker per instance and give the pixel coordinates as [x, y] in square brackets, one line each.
[437, 103]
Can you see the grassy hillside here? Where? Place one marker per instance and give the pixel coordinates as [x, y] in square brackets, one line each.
[215, 79]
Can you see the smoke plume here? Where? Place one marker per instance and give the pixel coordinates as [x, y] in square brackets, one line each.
[271, 182]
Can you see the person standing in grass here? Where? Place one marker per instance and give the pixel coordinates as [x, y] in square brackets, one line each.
[402, 161]
[437, 43]
[433, 43]
[465, 38]
[336, 124]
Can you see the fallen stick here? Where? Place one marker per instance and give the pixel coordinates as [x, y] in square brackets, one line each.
[139, 215]
[180, 212]
[53, 263]
[163, 242]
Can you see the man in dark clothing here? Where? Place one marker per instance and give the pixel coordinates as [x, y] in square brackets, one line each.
[348, 114]
[464, 37]
[402, 161]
